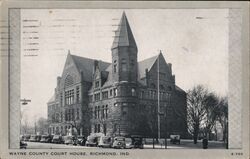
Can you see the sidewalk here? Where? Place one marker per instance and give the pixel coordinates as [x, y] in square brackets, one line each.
[184, 144]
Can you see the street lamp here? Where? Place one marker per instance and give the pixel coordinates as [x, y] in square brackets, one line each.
[24, 102]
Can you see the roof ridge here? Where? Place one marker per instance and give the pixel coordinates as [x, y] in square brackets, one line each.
[89, 58]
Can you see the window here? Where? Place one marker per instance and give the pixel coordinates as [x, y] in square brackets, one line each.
[69, 80]
[98, 112]
[95, 128]
[97, 84]
[95, 112]
[124, 65]
[115, 92]
[133, 92]
[73, 114]
[97, 96]
[142, 94]
[77, 114]
[106, 112]
[69, 97]
[115, 67]
[98, 128]
[69, 115]
[102, 116]
[111, 92]
[132, 62]
[61, 99]
[77, 94]
[124, 110]
[104, 129]
[105, 95]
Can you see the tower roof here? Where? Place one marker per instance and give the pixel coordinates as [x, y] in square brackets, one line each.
[124, 35]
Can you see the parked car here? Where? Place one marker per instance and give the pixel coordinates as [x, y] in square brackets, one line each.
[26, 137]
[81, 140]
[70, 140]
[38, 138]
[21, 137]
[119, 142]
[174, 139]
[23, 145]
[57, 139]
[136, 142]
[46, 138]
[32, 138]
[105, 141]
[92, 140]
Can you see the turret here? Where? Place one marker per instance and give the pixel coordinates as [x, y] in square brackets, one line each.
[124, 53]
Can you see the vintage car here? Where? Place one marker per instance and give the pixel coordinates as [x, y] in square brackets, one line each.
[92, 140]
[119, 142]
[105, 141]
[26, 137]
[136, 142]
[174, 139]
[81, 140]
[46, 138]
[23, 145]
[32, 138]
[70, 140]
[57, 139]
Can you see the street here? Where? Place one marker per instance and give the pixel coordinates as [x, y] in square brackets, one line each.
[185, 144]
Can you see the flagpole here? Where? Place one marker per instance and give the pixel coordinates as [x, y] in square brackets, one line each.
[158, 92]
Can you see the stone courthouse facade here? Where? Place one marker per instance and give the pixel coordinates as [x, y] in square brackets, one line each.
[118, 98]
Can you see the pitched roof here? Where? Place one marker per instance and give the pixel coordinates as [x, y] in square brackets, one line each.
[145, 64]
[179, 89]
[52, 99]
[86, 65]
[124, 35]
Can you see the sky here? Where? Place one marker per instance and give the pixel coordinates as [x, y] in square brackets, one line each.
[195, 41]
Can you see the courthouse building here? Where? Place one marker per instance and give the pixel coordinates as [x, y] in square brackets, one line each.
[119, 97]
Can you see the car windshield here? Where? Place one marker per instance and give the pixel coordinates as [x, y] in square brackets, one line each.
[56, 137]
[106, 139]
[92, 139]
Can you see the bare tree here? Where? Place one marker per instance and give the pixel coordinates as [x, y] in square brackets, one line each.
[212, 113]
[223, 116]
[42, 125]
[196, 111]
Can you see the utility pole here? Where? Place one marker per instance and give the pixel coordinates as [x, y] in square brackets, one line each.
[158, 92]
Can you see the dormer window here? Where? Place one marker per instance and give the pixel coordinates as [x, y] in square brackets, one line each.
[97, 84]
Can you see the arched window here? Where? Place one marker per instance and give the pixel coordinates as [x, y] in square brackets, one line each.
[133, 92]
[115, 66]
[69, 80]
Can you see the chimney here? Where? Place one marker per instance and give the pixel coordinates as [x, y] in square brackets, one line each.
[170, 67]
